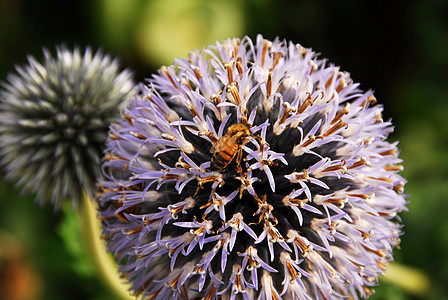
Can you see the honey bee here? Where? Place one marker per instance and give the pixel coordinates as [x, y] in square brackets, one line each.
[229, 146]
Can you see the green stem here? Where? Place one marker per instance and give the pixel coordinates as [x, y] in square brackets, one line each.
[409, 279]
[105, 264]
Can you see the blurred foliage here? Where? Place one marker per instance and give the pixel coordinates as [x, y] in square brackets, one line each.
[399, 49]
[161, 30]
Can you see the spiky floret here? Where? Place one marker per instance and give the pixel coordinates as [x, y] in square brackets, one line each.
[54, 121]
[307, 210]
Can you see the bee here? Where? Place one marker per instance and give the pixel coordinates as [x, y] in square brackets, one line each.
[229, 146]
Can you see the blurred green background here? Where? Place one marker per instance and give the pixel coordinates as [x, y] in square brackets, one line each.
[398, 48]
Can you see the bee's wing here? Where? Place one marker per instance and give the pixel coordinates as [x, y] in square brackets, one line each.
[213, 149]
[222, 142]
[217, 145]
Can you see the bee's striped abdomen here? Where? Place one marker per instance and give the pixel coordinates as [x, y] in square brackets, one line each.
[223, 156]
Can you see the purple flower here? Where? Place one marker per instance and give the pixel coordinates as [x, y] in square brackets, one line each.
[299, 200]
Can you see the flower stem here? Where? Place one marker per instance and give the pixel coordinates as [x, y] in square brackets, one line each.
[408, 278]
[104, 263]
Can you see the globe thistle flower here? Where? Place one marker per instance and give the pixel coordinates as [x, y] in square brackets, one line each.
[54, 121]
[251, 171]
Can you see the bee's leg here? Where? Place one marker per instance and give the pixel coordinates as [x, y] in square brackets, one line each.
[260, 140]
[196, 192]
[239, 155]
[198, 188]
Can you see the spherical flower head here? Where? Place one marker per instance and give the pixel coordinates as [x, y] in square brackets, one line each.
[252, 171]
[54, 121]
